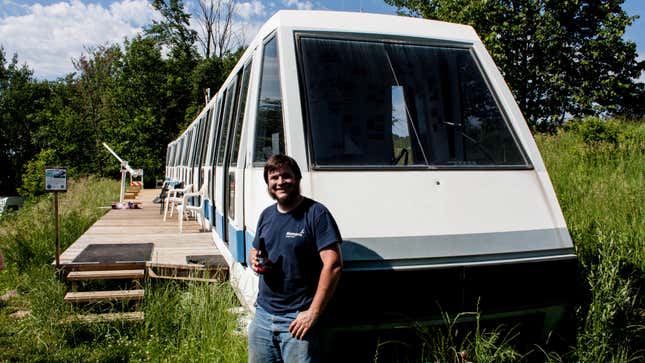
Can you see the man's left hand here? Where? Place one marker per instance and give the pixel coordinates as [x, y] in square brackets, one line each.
[302, 324]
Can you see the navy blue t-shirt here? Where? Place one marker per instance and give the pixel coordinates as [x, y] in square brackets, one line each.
[293, 241]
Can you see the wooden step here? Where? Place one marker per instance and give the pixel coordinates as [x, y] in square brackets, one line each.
[107, 317]
[95, 296]
[101, 266]
[105, 275]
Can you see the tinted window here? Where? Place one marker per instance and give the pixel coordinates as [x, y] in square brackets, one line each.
[226, 122]
[379, 103]
[198, 143]
[269, 134]
[189, 145]
[180, 150]
[217, 125]
[207, 129]
[240, 114]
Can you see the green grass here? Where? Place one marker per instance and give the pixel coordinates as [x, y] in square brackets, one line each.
[184, 321]
[598, 171]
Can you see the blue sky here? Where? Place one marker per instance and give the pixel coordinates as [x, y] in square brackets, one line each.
[48, 34]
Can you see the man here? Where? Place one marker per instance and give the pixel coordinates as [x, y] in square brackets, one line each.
[301, 238]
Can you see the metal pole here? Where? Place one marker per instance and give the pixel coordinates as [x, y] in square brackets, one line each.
[123, 179]
[56, 228]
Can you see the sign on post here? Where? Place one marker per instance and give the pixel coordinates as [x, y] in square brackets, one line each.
[56, 181]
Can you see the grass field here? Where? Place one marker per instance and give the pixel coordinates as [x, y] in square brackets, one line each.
[598, 171]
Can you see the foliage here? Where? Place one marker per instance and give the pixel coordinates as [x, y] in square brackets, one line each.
[174, 30]
[594, 130]
[598, 170]
[559, 57]
[27, 236]
[184, 322]
[136, 97]
[20, 99]
[33, 182]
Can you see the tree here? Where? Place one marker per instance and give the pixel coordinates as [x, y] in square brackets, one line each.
[94, 94]
[216, 22]
[20, 99]
[174, 30]
[560, 58]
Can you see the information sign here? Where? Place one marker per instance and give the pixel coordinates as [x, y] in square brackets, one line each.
[55, 179]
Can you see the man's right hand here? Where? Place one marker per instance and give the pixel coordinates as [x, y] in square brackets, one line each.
[254, 260]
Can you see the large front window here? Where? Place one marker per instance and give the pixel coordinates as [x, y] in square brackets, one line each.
[382, 103]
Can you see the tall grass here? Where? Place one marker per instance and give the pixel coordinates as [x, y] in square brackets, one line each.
[183, 322]
[191, 323]
[27, 236]
[598, 171]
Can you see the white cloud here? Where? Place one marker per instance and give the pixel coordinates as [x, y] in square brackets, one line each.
[246, 10]
[134, 12]
[298, 4]
[47, 37]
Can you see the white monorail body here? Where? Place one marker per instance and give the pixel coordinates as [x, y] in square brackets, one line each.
[404, 128]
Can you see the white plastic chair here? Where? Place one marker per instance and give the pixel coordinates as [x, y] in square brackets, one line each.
[197, 210]
[174, 197]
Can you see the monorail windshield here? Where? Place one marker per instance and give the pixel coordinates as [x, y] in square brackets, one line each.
[397, 104]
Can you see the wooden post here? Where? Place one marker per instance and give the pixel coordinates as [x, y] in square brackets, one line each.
[56, 228]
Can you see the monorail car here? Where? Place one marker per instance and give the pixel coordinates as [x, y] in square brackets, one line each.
[405, 129]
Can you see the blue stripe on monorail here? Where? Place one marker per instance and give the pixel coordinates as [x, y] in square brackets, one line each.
[236, 238]
[219, 225]
[236, 243]
[207, 211]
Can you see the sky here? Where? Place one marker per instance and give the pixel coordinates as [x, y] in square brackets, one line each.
[48, 34]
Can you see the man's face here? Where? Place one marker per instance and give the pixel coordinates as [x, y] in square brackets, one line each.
[283, 186]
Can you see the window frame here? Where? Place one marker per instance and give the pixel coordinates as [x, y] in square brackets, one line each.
[402, 40]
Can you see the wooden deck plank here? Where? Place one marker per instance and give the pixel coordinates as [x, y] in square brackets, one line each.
[107, 317]
[105, 275]
[145, 225]
[93, 296]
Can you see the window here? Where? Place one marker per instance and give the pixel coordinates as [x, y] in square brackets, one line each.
[269, 134]
[187, 146]
[217, 125]
[380, 103]
[205, 136]
[180, 150]
[198, 144]
[226, 122]
[240, 114]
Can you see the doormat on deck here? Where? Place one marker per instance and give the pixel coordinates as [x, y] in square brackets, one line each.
[207, 260]
[116, 252]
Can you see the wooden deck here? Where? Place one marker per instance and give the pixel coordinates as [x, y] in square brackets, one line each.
[146, 225]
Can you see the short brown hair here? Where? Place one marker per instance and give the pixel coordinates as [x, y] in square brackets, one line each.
[279, 161]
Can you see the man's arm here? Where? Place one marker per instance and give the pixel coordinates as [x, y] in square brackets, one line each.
[329, 276]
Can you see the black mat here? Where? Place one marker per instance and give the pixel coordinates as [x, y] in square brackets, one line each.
[207, 260]
[112, 253]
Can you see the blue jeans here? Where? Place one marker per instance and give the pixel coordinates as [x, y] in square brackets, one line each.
[270, 340]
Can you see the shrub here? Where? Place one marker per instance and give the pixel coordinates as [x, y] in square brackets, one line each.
[595, 131]
[33, 177]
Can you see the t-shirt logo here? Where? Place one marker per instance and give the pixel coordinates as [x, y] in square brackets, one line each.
[295, 234]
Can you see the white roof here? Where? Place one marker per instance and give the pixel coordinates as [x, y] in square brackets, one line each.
[314, 20]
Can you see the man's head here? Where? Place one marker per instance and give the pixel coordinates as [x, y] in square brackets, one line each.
[282, 175]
